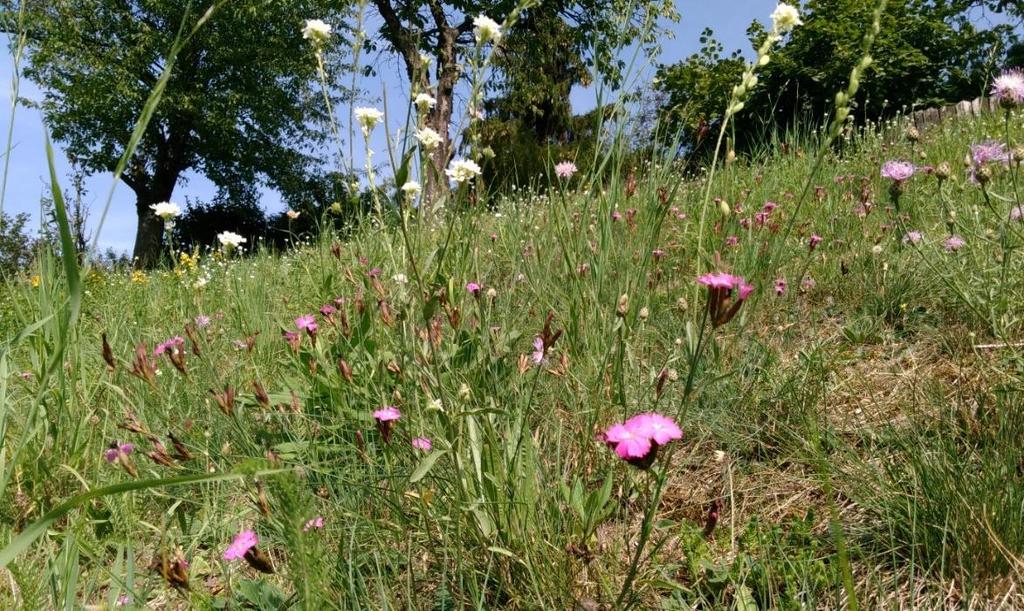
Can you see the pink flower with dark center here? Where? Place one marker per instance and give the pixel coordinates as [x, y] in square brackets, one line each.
[243, 542]
[25, 375]
[421, 443]
[814, 241]
[616, 216]
[327, 310]
[954, 243]
[292, 337]
[565, 169]
[374, 273]
[897, 170]
[473, 288]
[306, 323]
[314, 523]
[657, 253]
[1008, 88]
[780, 286]
[732, 241]
[768, 207]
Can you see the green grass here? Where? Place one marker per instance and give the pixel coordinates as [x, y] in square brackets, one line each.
[862, 401]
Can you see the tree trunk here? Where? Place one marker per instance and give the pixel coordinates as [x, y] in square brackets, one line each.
[149, 237]
[440, 118]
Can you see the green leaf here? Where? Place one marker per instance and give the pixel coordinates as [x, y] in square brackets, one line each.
[426, 465]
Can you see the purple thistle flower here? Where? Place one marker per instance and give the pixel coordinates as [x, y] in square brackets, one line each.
[1008, 88]
[897, 170]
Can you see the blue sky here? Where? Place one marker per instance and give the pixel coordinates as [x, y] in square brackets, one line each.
[28, 181]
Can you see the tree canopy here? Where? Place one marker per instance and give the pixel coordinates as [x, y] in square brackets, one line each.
[582, 33]
[241, 107]
[927, 53]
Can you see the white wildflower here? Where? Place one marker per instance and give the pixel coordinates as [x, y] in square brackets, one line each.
[411, 189]
[486, 30]
[166, 210]
[230, 239]
[785, 17]
[368, 118]
[428, 138]
[424, 101]
[316, 31]
[462, 170]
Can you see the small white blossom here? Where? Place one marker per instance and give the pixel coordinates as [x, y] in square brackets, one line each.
[785, 17]
[462, 170]
[368, 118]
[424, 101]
[316, 31]
[486, 30]
[230, 239]
[428, 138]
[411, 189]
[292, 214]
[166, 210]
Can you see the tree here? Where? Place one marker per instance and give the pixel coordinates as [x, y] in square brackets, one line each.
[15, 245]
[927, 53]
[443, 31]
[238, 108]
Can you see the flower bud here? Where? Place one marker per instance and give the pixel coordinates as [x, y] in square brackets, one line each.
[943, 171]
[623, 307]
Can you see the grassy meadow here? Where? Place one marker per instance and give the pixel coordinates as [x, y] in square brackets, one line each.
[851, 434]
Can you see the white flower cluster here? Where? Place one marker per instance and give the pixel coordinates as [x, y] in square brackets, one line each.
[316, 31]
[168, 211]
[785, 17]
[462, 170]
[368, 118]
[428, 138]
[230, 239]
[486, 30]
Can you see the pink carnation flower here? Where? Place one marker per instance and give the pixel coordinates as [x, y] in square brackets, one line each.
[387, 414]
[421, 443]
[655, 427]
[243, 542]
[628, 443]
[306, 323]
